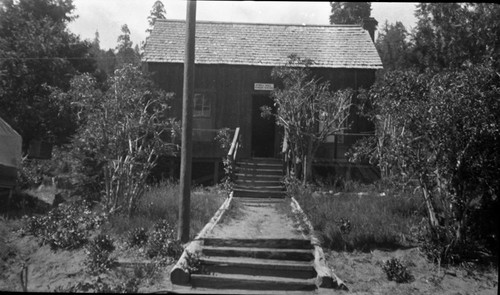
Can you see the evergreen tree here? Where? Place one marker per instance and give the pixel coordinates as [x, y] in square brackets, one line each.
[125, 52]
[393, 47]
[349, 13]
[354, 13]
[456, 34]
[157, 12]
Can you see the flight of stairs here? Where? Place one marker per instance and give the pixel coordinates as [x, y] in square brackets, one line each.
[259, 178]
[268, 265]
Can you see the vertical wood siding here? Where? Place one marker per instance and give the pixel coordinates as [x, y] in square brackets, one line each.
[232, 87]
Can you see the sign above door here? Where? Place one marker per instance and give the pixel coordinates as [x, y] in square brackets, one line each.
[263, 86]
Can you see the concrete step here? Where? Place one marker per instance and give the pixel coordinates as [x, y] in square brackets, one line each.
[263, 253]
[277, 188]
[260, 243]
[262, 160]
[241, 193]
[260, 171]
[251, 182]
[249, 165]
[258, 266]
[258, 177]
[235, 281]
[276, 165]
[260, 201]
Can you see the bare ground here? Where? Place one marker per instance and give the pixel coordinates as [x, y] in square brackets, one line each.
[252, 220]
[49, 270]
[362, 272]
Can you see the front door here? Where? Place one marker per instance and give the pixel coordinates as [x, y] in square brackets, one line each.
[263, 129]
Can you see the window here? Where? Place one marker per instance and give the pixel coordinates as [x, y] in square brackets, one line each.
[202, 107]
[339, 136]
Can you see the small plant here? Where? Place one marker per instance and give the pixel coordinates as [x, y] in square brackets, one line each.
[98, 254]
[98, 286]
[162, 243]
[55, 230]
[344, 225]
[166, 227]
[67, 235]
[396, 271]
[193, 263]
[63, 227]
[225, 137]
[138, 237]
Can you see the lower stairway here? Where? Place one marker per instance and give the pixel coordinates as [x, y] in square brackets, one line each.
[253, 245]
[265, 265]
[259, 178]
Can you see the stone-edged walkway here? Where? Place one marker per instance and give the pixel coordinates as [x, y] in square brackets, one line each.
[256, 245]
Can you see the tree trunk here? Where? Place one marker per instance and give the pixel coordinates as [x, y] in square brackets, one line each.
[307, 176]
[430, 208]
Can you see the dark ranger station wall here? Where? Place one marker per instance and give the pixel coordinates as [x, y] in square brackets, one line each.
[230, 88]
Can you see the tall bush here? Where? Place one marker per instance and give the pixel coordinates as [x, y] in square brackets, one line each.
[123, 132]
[224, 138]
[443, 131]
[307, 110]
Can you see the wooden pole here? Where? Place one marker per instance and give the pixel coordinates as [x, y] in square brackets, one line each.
[187, 124]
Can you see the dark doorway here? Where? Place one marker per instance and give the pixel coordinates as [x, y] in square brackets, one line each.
[263, 129]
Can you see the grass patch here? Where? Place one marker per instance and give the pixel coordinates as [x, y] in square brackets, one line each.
[5, 249]
[375, 220]
[162, 202]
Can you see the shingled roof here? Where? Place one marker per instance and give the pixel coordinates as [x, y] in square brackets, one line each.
[331, 46]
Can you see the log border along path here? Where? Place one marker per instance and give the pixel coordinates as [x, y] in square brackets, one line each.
[255, 246]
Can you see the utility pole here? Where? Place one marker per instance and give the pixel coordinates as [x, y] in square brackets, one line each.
[187, 124]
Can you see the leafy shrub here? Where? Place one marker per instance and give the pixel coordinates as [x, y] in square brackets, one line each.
[33, 225]
[31, 173]
[438, 129]
[6, 249]
[164, 226]
[295, 187]
[436, 246]
[58, 232]
[138, 237]
[98, 286]
[98, 254]
[67, 235]
[224, 138]
[161, 242]
[301, 103]
[123, 131]
[34, 172]
[396, 271]
[64, 227]
[344, 225]
[193, 263]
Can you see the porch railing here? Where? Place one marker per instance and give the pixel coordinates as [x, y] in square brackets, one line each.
[233, 153]
[235, 145]
[332, 151]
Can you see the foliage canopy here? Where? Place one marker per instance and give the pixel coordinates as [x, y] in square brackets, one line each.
[123, 131]
[37, 52]
[349, 13]
[442, 130]
[307, 110]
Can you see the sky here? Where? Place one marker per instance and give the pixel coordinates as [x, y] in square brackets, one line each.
[107, 16]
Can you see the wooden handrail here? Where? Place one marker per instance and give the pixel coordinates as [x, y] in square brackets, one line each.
[234, 145]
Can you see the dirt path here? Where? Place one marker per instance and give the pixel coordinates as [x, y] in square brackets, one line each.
[257, 219]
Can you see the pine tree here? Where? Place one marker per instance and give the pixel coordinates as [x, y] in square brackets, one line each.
[125, 51]
[157, 12]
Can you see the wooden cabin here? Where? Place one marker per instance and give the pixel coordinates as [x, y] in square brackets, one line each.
[233, 67]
